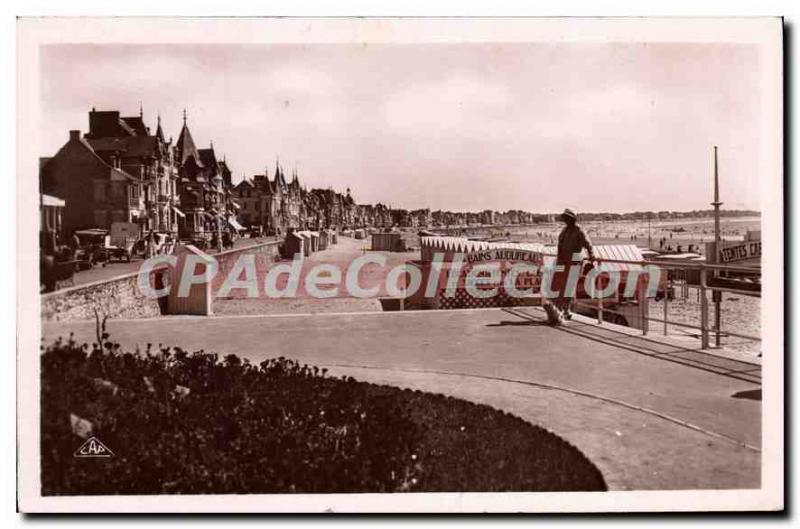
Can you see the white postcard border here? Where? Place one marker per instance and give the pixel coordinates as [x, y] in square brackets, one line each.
[764, 32]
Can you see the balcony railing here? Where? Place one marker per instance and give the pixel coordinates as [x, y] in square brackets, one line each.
[705, 271]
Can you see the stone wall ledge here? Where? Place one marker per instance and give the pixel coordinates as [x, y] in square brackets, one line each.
[119, 296]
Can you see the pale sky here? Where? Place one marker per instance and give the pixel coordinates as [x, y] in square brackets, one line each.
[538, 127]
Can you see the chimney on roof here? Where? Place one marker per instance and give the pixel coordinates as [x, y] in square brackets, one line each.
[74, 135]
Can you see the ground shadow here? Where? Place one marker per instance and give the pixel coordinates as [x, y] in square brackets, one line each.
[690, 357]
[525, 323]
[751, 394]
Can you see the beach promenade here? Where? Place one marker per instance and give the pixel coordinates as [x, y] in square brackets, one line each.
[650, 414]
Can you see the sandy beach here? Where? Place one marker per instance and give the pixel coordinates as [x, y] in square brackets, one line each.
[740, 314]
[675, 232]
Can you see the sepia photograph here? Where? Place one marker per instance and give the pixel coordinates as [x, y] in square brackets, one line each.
[307, 265]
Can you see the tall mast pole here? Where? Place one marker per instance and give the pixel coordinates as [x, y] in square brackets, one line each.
[717, 295]
[716, 202]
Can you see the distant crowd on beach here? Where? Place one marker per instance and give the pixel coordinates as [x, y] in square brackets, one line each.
[666, 246]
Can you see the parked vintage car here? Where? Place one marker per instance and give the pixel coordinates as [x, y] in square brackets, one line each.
[122, 240]
[54, 273]
[91, 248]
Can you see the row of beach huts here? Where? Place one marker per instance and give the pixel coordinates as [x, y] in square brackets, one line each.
[307, 242]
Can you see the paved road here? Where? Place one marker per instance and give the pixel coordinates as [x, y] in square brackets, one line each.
[121, 268]
[648, 422]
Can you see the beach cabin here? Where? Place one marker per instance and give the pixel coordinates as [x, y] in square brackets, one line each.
[313, 240]
[387, 241]
[293, 244]
[323, 240]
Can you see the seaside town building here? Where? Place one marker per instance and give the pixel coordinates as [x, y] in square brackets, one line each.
[121, 172]
[277, 205]
[204, 182]
[273, 206]
[147, 157]
[249, 201]
[376, 216]
[421, 218]
[94, 186]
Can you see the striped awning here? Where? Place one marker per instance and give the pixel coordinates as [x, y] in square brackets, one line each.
[615, 252]
[619, 252]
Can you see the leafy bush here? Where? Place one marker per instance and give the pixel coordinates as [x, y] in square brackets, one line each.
[192, 423]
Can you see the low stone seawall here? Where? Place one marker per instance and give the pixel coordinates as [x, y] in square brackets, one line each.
[120, 297]
[265, 255]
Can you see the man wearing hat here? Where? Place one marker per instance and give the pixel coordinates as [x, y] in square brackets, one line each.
[572, 240]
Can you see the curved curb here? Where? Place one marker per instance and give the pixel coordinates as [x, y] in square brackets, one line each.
[572, 391]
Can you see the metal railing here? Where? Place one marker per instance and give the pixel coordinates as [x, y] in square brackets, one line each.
[703, 286]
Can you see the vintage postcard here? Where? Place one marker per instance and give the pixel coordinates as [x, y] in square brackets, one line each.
[400, 265]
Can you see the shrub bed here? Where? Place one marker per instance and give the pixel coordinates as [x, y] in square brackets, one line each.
[193, 423]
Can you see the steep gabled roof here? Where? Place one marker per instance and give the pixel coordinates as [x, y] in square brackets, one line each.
[186, 148]
[127, 128]
[136, 124]
[244, 183]
[280, 180]
[83, 143]
[208, 159]
[260, 181]
[107, 123]
[133, 146]
[160, 131]
[225, 171]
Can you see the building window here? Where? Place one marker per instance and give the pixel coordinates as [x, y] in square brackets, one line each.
[99, 191]
[133, 193]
